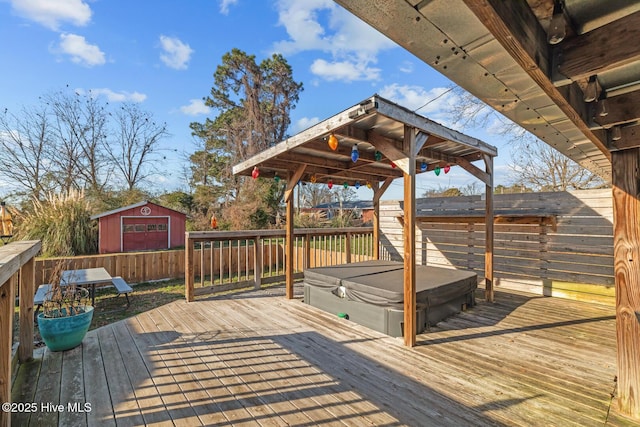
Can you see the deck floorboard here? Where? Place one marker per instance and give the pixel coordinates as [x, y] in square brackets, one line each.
[257, 359]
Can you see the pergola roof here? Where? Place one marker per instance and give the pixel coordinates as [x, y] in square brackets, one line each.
[375, 124]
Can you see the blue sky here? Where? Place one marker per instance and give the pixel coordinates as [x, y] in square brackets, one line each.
[163, 54]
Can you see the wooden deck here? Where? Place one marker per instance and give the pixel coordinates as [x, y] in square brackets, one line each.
[258, 359]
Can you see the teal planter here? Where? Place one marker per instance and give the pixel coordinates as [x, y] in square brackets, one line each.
[67, 332]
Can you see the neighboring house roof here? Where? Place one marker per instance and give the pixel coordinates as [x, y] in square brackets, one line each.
[353, 204]
[133, 206]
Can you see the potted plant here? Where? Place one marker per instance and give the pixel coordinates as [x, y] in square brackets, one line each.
[66, 315]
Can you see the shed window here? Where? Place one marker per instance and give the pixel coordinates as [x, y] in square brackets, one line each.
[140, 228]
[162, 227]
[151, 227]
[128, 228]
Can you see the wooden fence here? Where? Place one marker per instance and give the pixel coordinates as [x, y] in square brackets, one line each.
[558, 244]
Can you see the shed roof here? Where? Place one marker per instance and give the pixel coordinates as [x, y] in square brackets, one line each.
[133, 206]
[375, 124]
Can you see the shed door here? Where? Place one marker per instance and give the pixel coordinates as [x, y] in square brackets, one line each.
[145, 233]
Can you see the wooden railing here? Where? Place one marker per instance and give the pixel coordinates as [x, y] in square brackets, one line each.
[16, 271]
[222, 260]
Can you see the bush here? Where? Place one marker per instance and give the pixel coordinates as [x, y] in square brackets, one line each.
[63, 223]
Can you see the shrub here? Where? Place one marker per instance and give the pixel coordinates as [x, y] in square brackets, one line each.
[63, 223]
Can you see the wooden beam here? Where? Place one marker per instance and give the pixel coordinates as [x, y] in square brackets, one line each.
[292, 181]
[7, 307]
[387, 146]
[629, 138]
[476, 171]
[189, 288]
[516, 28]
[421, 140]
[601, 49]
[488, 251]
[409, 234]
[622, 109]
[626, 253]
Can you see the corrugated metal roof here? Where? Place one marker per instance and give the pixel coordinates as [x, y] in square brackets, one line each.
[368, 125]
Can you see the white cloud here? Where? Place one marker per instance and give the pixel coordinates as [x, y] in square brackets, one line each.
[406, 67]
[305, 123]
[176, 53]
[344, 70]
[195, 108]
[321, 25]
[224, 6]
[122, 96]
[80, 51]
[52, 13]
[430, 103]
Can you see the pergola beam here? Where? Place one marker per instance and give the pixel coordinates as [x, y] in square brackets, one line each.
[409, 235]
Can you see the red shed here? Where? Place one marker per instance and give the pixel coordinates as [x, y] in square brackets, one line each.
[140, 227]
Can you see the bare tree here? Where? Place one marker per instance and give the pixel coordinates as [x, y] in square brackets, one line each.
[135, 140]
[534, 164]
[24, 159]
[81, 122]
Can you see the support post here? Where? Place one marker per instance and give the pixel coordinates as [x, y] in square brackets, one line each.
[188, 269]
[378, 191]
[7, 304]
[27, 291]
[626, 252]
[292, 181]
[409, 145]
[488, 251]
[257, 262]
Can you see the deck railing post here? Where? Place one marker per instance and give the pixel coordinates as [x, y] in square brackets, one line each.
[27, 291]
[257, 261]
[7, 304]
[347, 247]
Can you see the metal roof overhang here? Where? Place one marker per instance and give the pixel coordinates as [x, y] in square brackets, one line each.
[375, 124]
[498, 51]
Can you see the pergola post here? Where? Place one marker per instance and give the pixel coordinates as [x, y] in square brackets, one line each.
[488, 249]
[378, 191]
[409, 144]
[292, 181]
[626, 251]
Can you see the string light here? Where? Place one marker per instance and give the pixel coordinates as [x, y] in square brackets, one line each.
[368, 184]
[314, 179]
[423, 166]
[393, 165]
[437, 170]
[377, 155]
[330, 184]
[333, 142]
[447, 169]
[557, 26]
[591, 91]
[345, 185]
[276, 178]
[355, 155]
[255, 173]
[357, 185]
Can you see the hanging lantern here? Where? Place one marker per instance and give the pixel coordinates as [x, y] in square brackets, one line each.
[255, 173]
[314, 179]
[437, 170]
[447, 169]
[368, 184]
[423, 166]
[355, 155]
[393, 165]
[345, 185]
[357, 185]
[377, 155]
[333, 142]
[330, 184]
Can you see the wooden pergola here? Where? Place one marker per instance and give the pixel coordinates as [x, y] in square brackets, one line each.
[391, 142]
[568, 71]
